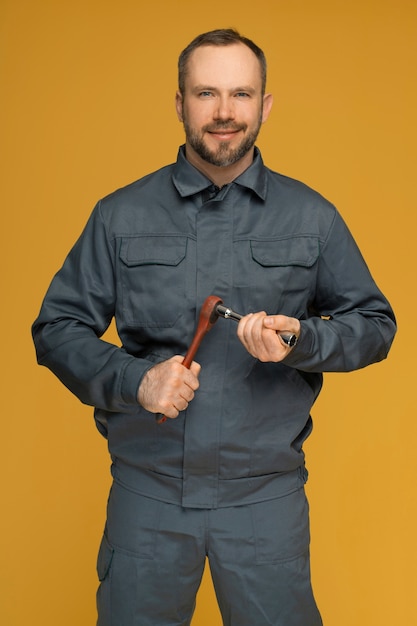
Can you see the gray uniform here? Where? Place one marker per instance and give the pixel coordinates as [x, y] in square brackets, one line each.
[149, 256]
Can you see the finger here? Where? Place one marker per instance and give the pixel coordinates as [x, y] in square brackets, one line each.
[195, 368]
[168, 410]
[282, 323]
[273, 348]
[262, 342]
[181, 404]
[251, 328]
[191, 377]
[185, 394]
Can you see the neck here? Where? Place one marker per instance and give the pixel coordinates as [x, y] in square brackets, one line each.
[217, 174]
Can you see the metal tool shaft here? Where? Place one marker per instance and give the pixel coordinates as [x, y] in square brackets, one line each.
[224, 311]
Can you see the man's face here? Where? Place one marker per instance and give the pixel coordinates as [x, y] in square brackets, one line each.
[222, 108]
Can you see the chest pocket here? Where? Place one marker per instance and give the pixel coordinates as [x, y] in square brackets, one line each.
[299, 251]
[153, 279]
[276, 275]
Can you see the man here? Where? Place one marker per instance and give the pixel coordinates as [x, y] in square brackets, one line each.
[224, 477]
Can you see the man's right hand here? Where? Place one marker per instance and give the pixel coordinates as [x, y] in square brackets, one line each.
[169, 387]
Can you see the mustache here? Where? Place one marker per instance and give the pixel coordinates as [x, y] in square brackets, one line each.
[225, 125]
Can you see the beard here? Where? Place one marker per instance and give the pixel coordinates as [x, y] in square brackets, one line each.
[224, 155]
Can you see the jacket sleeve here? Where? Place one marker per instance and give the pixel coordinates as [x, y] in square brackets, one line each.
[350, 324]
[77, 309]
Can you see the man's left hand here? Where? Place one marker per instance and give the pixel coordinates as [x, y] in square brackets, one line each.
[259, 334]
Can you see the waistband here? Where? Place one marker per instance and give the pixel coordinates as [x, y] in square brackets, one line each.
[225, 493]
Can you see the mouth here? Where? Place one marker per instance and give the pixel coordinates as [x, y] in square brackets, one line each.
[223, 134]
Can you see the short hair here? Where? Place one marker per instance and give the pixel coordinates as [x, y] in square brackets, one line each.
[219, 37]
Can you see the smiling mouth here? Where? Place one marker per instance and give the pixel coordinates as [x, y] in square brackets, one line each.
[224, 134]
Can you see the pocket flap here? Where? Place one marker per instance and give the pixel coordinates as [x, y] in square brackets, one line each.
[153, 250]
[302, 251]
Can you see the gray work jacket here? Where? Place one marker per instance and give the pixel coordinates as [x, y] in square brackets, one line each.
[149, 256]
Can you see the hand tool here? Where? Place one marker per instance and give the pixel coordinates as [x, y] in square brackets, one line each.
[289, 338]
[208, 317]
[210, 311]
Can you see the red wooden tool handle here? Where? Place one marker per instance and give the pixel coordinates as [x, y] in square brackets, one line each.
[208, 317]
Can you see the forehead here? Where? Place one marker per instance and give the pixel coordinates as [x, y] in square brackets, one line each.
[223, 66]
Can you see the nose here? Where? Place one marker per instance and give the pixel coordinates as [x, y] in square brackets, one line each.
[224, 109]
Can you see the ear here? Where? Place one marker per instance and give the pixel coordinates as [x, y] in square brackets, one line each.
[268, 100]
[178, 105]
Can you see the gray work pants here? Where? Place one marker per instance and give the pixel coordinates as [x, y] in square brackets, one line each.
[152, 557]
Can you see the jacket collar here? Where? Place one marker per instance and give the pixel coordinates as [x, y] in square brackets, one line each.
[188, 180]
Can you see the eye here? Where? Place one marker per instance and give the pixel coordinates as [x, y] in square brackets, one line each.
[242, 94]
[205, 94]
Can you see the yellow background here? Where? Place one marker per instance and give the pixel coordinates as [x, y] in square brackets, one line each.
[87, 105]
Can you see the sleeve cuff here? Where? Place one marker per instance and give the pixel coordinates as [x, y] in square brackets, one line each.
[132, 377]
[304, 347]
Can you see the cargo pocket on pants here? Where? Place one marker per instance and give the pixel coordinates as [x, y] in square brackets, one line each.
[281, 528]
